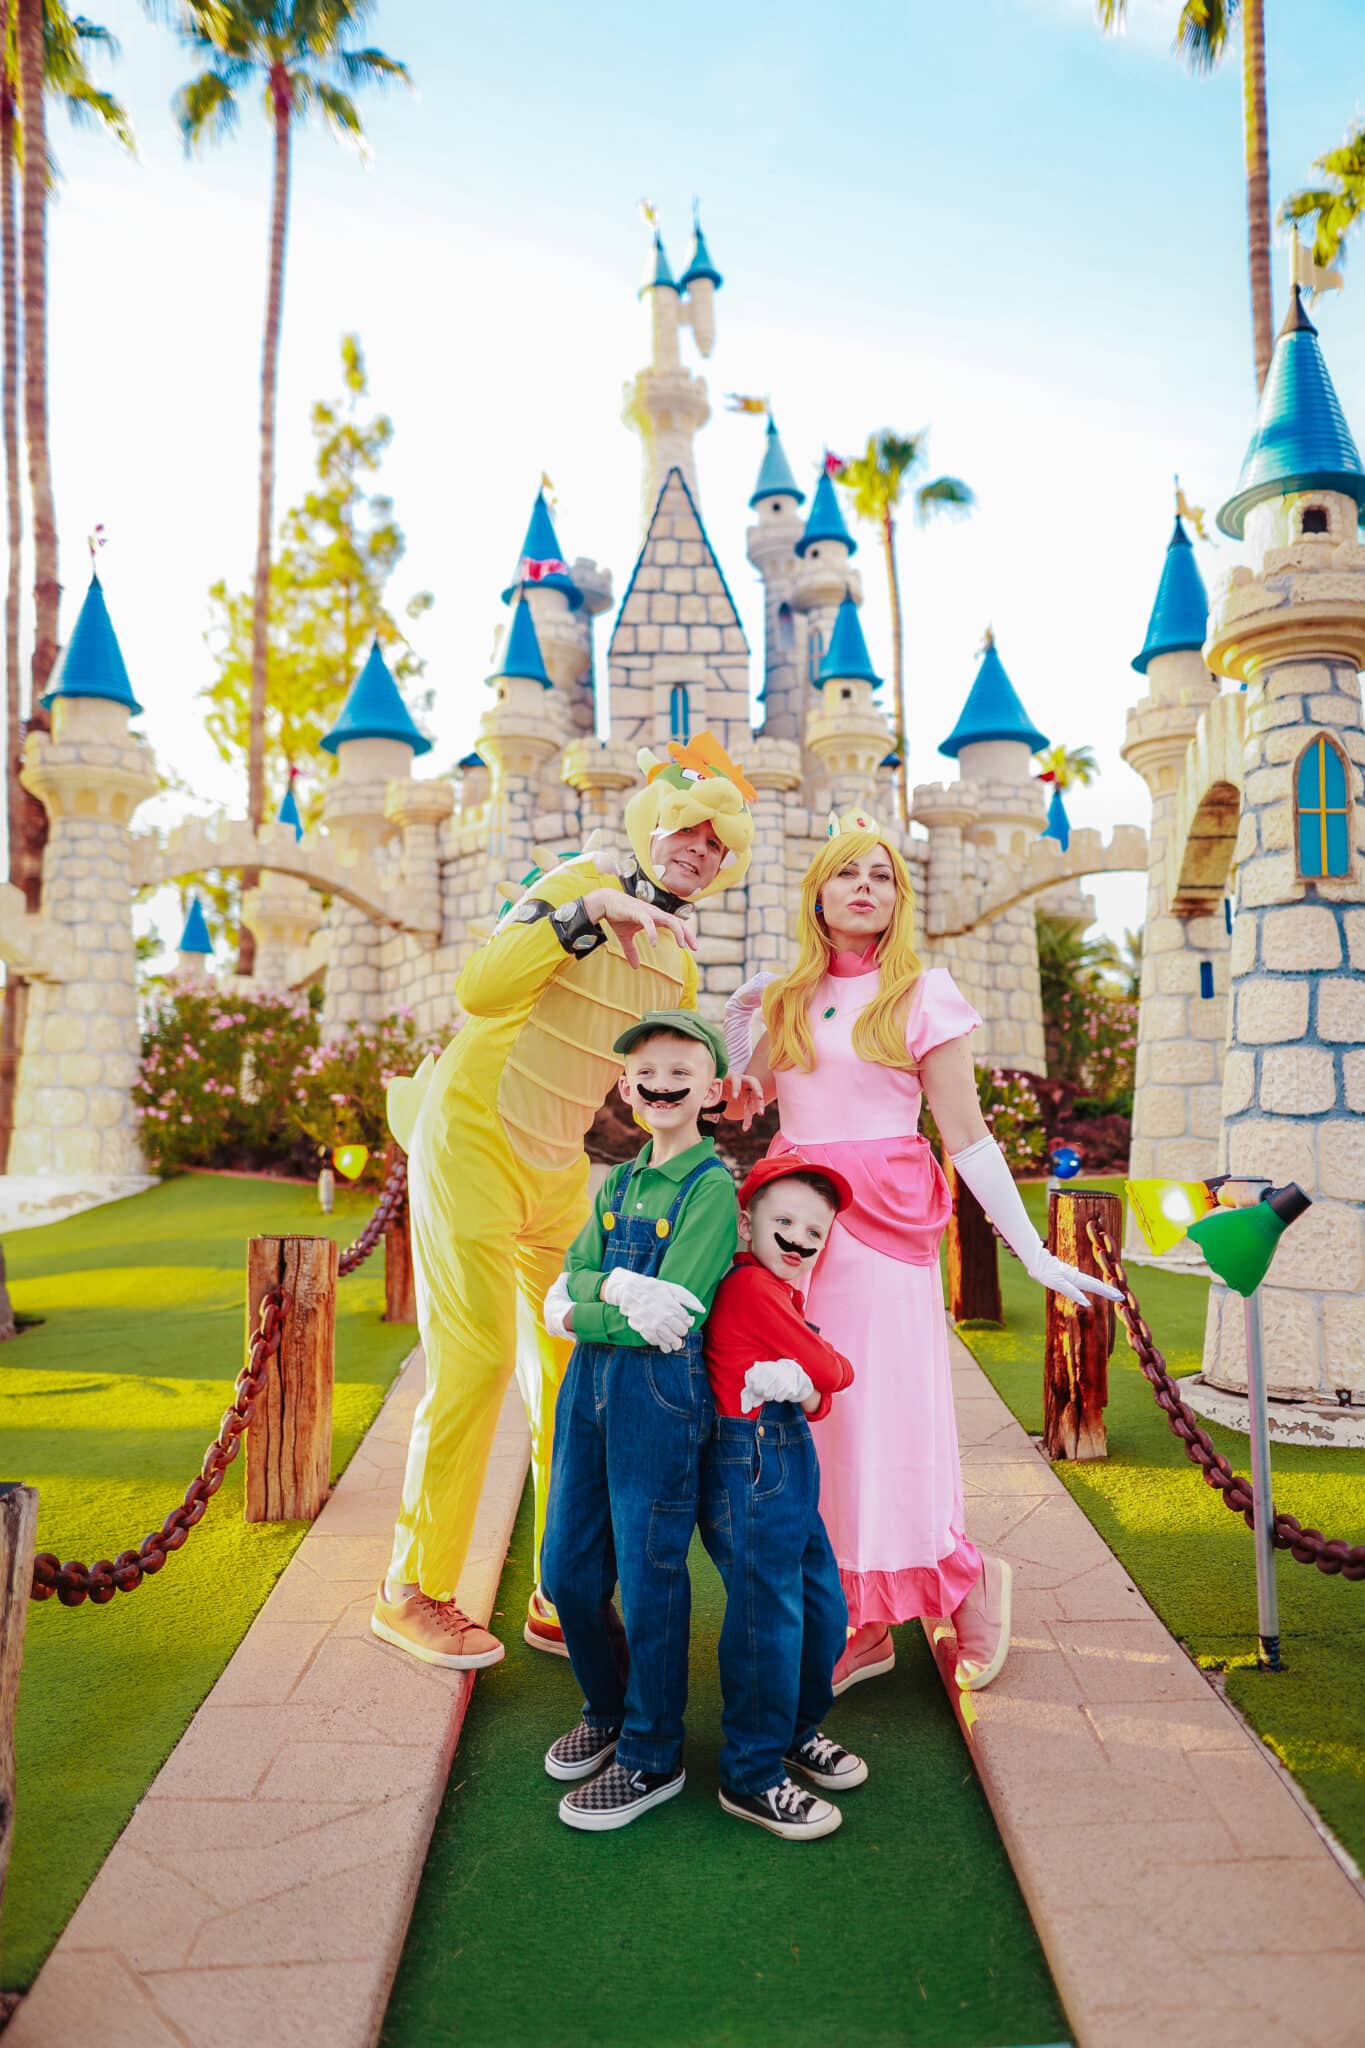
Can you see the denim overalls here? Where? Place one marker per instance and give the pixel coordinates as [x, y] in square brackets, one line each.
[629, 1429]
[786, 1622]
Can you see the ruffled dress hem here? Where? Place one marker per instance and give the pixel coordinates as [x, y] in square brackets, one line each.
[931, 1592]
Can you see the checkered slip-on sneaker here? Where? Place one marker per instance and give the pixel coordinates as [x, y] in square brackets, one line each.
[827, 1764]
[616, 1797]
[785, 1810]
[581, 1752]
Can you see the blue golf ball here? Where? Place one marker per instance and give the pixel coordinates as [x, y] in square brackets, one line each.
[1065, 1162]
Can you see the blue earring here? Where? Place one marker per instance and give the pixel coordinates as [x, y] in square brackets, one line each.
[819, 909]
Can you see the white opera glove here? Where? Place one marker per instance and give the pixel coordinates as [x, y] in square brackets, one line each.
[657, 1310]
[774, 1379]
[557, 1306]
[982, 1167]
[739, 1019]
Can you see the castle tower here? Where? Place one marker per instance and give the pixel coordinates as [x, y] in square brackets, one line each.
[1182, 1014]
[195, 948]
[74, 1110]
[562, 610]
[823, 578]
[771, 547]
[1292, 628]
[665, 403]
[282, 912]
[678, 658]
[520, 734]
[375, 742]
[846, 730]
[993, 743]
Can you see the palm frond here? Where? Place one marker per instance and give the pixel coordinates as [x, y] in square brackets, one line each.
[340, 113]
[944, 494]
[89, 107]
[206, 108]
[1113, 16]
[1204, 30]
[371, 67]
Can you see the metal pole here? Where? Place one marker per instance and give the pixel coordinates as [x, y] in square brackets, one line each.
[1267, 1597]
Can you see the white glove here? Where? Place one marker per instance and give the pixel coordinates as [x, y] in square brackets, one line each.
[739, 1019]
[774, 1379]
[557, 1306]
[656, 1310]
[982, 1167]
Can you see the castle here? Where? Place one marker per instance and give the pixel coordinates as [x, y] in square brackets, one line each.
[1252, 1013]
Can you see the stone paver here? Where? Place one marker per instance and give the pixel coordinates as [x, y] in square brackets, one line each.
[1178, 1887]
[261, 1891]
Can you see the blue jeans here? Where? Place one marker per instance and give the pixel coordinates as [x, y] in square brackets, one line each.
[786, 1621]
[629, 1431]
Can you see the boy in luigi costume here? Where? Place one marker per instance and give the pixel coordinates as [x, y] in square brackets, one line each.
[633, 1415]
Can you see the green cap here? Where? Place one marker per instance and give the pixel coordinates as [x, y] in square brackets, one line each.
[684, 1024]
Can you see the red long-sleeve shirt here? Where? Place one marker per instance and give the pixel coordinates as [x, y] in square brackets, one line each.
[757, 1315]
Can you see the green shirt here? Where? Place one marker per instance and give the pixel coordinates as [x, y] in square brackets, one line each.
[700, 1247]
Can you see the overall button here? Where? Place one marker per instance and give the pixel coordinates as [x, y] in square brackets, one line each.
[760, 1429]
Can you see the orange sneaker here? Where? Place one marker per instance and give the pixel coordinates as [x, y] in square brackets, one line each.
[435, 1632]
[542, 1630]
[864, 1658]
[982, 1626]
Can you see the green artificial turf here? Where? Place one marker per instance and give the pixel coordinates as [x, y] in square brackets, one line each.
[108, 1407]
[692, 1930]
[1193, 1559]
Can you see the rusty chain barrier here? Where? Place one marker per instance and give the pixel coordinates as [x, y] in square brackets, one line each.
[1305, 1546]
[388, 1209]
[75, 1582]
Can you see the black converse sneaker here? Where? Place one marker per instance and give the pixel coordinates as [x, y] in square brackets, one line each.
[618, 1796]
[581, 1752]
[826, 1764]
[784, 1810]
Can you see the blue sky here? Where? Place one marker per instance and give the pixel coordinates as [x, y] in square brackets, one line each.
[989, 221]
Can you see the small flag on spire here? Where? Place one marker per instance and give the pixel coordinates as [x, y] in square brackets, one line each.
[649, 214]
[835, 465]
[1310, 275]
[547, 491]
[736, 402]
[95, 541]
[1194, 513]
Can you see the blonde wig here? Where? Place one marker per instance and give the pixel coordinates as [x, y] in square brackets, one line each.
[879, 1033]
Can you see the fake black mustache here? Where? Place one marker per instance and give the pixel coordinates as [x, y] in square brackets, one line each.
[664, 1097]
[802, 1251]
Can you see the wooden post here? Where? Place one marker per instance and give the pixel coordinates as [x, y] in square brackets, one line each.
[400, 1297]
[18, 1527]
[973, 1257]
[289, 1443]
[1076, 1357]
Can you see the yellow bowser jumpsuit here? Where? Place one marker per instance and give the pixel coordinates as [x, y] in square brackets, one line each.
[498, 1187]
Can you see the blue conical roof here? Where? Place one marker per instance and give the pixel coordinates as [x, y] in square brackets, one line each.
[288, 813]
[521, 654]
[1058, 824]
[826, 521]
[195, 937]
[93, 665]
[992, 711]
[472, 760]
[775, 479]
[846, 658]
[542, 545]
[1302, 441]
[662, 274]
[701, 265]
[1180, 616]
[375, 711]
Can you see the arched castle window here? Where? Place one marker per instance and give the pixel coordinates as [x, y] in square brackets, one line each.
[1322, 812]
[679, 714]
[786, 628]
[815, 653]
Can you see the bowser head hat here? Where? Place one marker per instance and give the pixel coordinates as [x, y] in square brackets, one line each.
[699, 783]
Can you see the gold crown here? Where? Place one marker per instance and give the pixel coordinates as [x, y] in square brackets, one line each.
[851, 821]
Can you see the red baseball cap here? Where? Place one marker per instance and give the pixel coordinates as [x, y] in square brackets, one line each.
[781, 1166]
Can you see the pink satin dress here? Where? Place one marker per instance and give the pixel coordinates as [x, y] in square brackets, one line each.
[890, 1473]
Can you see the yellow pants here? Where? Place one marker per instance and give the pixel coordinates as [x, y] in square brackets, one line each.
[489, 1235]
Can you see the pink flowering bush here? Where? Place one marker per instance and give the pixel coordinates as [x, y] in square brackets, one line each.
[338, 1091]
[1014, 1118]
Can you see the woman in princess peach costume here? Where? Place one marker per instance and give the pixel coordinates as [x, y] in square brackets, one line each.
[854, 1038]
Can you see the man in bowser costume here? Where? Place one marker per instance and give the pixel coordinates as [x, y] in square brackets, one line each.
[497, 1175]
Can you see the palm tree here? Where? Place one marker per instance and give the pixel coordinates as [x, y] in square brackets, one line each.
[299, 50]
[1333, 209]
[1069, 764]
[1203, 32]
[875, 481]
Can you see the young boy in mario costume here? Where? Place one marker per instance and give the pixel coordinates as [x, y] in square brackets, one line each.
[771, 1375]
[634, 1414]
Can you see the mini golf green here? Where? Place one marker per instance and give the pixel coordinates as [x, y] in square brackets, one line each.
[108, 1407]
[691, 1930]
[1191, 1558]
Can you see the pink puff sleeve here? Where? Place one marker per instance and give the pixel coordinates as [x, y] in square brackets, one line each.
[939, 1012]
